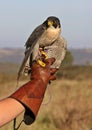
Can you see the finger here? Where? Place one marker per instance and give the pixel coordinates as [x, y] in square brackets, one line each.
[52, 77]
[53, 70]
[49, 61]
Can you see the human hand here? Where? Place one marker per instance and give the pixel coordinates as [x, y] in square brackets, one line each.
[44, 73]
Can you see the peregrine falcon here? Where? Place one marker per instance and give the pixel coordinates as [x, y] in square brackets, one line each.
[48, 37]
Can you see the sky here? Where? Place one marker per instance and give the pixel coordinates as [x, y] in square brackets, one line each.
[18, 18]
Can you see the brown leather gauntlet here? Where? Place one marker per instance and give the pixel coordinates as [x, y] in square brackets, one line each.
[31, 94]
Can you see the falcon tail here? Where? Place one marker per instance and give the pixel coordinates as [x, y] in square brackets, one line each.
[28, 53]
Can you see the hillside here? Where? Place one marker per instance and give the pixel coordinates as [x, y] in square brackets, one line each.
[82, 56]
[11, 55]
[15, 55]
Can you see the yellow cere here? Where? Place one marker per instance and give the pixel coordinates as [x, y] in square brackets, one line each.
[50, 23]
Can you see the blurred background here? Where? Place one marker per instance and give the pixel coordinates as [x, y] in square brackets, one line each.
[70, 107]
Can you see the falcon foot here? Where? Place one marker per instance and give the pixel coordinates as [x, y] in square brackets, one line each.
[43, 56]
[26, 70]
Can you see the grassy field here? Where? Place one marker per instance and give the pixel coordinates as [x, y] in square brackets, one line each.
[70, 106]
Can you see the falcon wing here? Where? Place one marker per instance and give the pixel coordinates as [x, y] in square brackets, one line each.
[36, 34]
[30, 44]
[57, 50]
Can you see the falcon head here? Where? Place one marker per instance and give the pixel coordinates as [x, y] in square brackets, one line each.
[52, 21]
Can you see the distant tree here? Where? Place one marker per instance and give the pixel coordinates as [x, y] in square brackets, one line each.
[68, 61]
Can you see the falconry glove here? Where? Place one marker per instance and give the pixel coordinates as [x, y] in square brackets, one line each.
[31, 94]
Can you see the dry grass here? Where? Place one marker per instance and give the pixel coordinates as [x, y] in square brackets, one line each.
[69, 109]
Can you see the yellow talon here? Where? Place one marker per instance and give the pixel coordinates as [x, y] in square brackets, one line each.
[43, 53]
[41, 63]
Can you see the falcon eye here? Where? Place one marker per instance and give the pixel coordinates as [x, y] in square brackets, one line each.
[50, 23]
